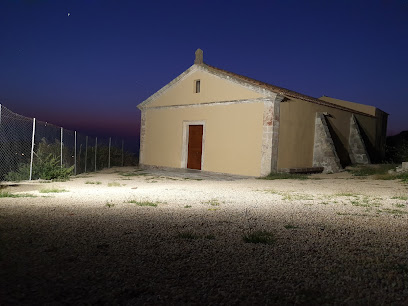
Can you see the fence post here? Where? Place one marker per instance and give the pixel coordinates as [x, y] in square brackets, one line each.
[109, 152]
[32, 150]
[75, 157]
[61, 144]
[96, 147]
[86, 151]
[122, 153]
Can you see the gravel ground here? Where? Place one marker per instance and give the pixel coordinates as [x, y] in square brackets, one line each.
[338, 240]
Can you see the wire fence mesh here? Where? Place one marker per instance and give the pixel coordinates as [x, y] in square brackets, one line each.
[27, 144]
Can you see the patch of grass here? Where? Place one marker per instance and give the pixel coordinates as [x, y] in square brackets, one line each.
[385, 177]
[403, 177]
[400, 197]
[109, 204]
[271, 191]
[213, 209]
[375, 204]
[52, 190]
[93, 182]
[295, 197]
[288, 196]
[59, 180]
[143, 203]
[346, 194]
[358, 203]
[392, 176]
[114, 184]
[209, 237]
[263, 237]
[399, 205]
[188, 206]
[351, 214]
[187, 235]
[392, 211]
[135, 173]
[285, 176]
[6, 194]
[364, 202]
[367, 170]
[379, 172]
[213, 202]
[194, 179]
[290, 226]
[363, 171]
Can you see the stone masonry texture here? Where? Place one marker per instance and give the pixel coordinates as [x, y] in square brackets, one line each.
[357, 149]
[142, 136]
[324, 151]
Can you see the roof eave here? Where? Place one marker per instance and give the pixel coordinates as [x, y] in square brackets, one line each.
[158, 93]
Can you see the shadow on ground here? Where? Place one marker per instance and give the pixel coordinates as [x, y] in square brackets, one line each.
[60, 255]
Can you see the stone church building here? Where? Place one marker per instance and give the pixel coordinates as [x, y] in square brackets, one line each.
[215, 120]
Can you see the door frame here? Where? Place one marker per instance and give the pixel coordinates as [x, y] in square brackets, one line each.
[184, 151]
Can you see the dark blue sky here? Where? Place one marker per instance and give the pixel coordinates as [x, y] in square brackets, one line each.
[87, 70]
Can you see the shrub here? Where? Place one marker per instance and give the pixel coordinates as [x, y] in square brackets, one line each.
[396, 150]
[46, 166]
[22, 173]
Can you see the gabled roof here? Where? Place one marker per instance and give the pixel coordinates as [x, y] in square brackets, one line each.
[371, 110]
[289, 94]
[282, 91]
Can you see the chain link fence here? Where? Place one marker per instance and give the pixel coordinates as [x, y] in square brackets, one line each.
[27, 143]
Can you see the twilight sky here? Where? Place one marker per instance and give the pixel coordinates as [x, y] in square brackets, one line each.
[86, 64]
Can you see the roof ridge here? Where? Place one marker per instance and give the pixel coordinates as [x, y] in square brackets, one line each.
[284, 91]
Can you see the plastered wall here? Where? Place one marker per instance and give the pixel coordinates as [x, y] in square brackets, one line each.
[212, 89]
[232, 136]
[296, 133]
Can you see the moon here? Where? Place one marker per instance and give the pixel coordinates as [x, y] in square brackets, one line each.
[69, 14]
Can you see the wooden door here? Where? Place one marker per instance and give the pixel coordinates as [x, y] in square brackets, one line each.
[195, 145]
